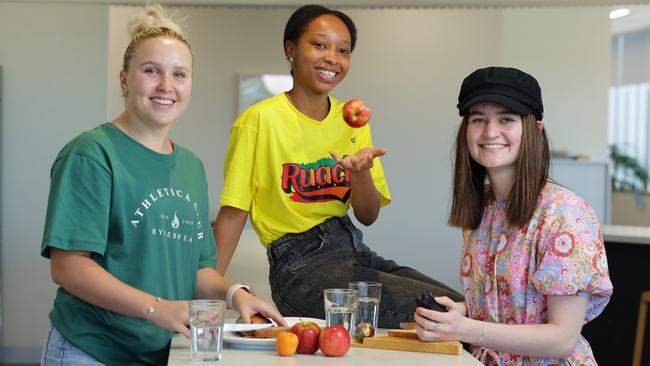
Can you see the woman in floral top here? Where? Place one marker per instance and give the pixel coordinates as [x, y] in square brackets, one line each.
[533, 266]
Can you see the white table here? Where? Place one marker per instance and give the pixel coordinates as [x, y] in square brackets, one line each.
[179, 355]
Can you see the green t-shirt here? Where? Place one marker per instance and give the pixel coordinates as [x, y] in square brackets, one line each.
[144, 218]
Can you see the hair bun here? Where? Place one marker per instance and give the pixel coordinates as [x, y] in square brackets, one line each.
[151, 23]
[153, 17]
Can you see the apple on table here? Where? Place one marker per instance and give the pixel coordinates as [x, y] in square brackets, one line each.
[334, 341]
[308, 334]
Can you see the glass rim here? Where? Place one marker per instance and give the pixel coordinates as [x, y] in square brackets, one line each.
[203, 302]
[367, 283]
[342, 290]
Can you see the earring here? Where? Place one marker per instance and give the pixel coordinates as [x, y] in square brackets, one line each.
[123, 93]
[291, 59]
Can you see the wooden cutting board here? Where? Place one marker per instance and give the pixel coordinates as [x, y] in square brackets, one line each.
[384, 341]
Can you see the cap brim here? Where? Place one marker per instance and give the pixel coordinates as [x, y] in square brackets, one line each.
[512, 104]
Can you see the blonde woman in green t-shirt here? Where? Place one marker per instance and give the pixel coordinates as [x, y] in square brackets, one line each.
[127, 229]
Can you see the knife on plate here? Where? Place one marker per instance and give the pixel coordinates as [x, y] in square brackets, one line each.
[243, 327]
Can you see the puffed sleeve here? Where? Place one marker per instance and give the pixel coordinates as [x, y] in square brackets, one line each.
[571, 257]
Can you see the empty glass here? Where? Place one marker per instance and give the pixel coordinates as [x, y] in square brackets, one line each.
[206, 329]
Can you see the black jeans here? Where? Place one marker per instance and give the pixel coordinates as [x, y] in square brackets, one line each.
[332, 254]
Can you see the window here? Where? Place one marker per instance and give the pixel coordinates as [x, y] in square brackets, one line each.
[629, 95]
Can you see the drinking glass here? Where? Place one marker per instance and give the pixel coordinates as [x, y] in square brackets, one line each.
[206, 329]
[340, 307]
[368, 301]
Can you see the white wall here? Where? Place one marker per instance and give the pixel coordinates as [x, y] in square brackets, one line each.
[62, 78]
[568, 51]
[54, 86]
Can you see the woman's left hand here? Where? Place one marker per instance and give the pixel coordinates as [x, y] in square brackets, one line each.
[361, 161]
[441, 326]
[247, 304]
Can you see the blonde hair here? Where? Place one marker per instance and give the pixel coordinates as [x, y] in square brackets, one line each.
[152, 23]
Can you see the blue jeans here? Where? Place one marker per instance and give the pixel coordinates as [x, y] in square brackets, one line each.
[58, 351]
[332, 254]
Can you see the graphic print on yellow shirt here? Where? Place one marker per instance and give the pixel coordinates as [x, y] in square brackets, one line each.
[279, 169]
[320, 181]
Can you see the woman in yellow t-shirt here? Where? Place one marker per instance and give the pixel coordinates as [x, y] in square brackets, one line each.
[295, 166]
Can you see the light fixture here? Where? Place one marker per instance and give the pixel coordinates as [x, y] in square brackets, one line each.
[618, 13]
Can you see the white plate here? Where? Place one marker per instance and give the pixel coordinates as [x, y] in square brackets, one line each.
[236, 340]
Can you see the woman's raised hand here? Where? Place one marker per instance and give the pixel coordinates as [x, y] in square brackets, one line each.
[361, 161]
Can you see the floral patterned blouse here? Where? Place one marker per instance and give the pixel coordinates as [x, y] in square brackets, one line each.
[508, 272]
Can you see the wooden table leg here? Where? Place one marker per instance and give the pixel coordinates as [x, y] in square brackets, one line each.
[640, 328]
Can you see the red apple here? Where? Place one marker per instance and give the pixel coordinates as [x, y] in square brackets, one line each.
[308, 333]
[355, 113]
[334, 341]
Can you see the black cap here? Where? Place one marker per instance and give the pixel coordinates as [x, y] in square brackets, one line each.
[510, 87]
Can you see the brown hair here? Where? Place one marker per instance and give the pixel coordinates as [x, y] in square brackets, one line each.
[470, 194]
[151, 24]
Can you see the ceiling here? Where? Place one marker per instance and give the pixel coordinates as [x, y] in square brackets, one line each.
[638, 19]
[365, 3]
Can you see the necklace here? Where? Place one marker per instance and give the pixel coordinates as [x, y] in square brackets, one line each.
[163, 149]
[125, 124]
[127, 129]
[316, 113]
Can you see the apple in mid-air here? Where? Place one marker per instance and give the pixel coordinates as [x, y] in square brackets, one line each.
[355, 113]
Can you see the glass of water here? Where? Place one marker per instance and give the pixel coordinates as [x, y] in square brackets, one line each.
[368, 302]
[206, 329]
[340, 307]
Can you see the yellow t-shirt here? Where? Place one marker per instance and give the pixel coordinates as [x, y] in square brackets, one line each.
[278, 167]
